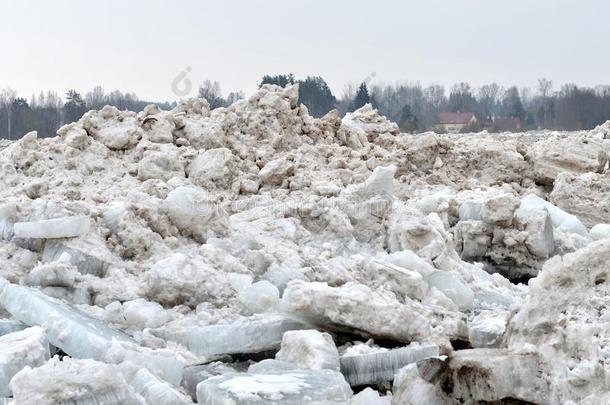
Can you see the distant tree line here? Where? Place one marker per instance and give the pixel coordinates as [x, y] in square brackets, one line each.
[46, 112]
[414, 107]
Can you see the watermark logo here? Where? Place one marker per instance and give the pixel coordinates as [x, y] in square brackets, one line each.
[182, 85]
[370, 78]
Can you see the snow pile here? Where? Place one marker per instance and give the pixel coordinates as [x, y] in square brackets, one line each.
[164, 252]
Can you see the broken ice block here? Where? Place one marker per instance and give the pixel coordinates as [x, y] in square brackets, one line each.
[539, 227]
[453, 288]
[193, 375]
[11, 325]
[357, 308]
[79, 335]
[57, 274]
[285, 387]
[561, 219]
[71, 381]
[309, 349]
[470, 210]
[89, 255]
[74, 332]
[380, 182]
[251, 335]
[599, 231]
[397, 279]
[368, 396]
[144, 314]
[67, 227]
[491, 375]
[155, 391]
[486, 330]
[259, 297]
[28, 347]
[374, 368]
[8, 212]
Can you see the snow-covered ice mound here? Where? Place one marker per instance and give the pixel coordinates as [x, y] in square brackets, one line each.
[243, 254]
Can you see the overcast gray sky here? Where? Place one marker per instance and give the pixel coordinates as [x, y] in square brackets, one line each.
[141, 46]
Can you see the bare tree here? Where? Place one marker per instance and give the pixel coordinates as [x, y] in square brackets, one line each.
[489, 98]
[211, 91]
[96, 98]
[7, 98]
[545, 87]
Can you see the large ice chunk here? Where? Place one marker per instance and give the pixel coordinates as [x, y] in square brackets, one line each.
[561, 219]
[67, 227]
[490, 375]
[11, 325]
[193, 212]
[144, 314]
[28, 347]
[251, 335]
[56, 274]
[8, 214]
[275, 171]
[357, 308]
[600, 231]
[81, 336]
[155, 391]
[286, 387]
[309, 349]
[368, 396]
[72, 381]
[486, 330]
[74, 332]
[193, 375]
[89, 254]
[259, 297]
[381, 366]
[379, 183]
[453, 288]
[181, 279]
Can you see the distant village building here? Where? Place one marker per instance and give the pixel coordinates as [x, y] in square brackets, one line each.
[507, 125]
[455, 122]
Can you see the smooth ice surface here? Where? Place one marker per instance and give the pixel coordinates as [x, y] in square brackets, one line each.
[67, 227]
[250, 335]
[600, 231]
[373, 368]
[285, 387]
[28, 347]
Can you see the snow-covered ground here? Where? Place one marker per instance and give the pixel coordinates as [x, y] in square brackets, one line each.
[256, 255]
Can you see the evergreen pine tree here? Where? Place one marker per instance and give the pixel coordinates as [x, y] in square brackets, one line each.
[362, 97]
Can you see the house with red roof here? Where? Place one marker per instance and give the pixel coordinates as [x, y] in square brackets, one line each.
[455, 122]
